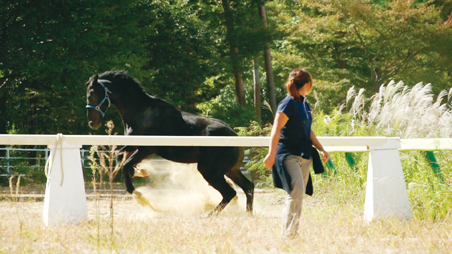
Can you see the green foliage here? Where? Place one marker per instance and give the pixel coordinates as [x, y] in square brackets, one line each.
[180, 54]
[259, 172]
[176, 48]
[430, 197]
[364, 44]
[49, 50]
[225, 107]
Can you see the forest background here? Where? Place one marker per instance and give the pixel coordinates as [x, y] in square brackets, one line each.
[211, 57]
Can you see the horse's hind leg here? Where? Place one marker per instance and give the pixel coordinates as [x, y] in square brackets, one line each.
[228, 193]
[247, 186]
[218, 182]
[238, 178]
[214, 163]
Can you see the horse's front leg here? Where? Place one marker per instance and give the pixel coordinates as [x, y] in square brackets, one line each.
[128, 180]
[127, 167]
[133, 157]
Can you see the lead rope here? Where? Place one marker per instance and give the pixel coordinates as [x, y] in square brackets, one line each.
[47, 170]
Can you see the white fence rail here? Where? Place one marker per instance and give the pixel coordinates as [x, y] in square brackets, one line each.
[426, 144]
[334, 143]
[65, 199]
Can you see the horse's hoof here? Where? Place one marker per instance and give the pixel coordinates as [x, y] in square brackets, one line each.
[205, 216]
[136, 194]
[213, 213]
[142, 201]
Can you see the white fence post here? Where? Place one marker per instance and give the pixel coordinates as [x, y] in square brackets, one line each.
[386, 194]
[65, 198]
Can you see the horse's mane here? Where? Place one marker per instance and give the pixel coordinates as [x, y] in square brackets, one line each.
[125, 79]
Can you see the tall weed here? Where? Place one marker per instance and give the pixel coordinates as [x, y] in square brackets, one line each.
[401, 111]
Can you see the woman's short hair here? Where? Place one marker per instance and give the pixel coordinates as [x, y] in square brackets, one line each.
[297, 79]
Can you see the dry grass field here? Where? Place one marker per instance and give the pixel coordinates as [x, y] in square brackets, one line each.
[182, 227]
[332, 221]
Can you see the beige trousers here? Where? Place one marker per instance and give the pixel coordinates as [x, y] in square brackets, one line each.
[298, 168]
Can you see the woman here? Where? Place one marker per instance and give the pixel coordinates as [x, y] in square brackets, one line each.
[290, 152]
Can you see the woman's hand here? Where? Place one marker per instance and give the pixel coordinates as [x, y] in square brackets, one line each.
[316, 143]
[325, 156]
[269, 160]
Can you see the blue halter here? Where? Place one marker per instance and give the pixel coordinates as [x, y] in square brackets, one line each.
[106, 98]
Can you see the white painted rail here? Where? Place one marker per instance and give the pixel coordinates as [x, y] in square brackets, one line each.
[386, 194]
[426, 144]
[333, 143]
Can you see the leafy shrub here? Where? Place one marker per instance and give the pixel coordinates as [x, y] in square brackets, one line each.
[260, 174]
[225, 107]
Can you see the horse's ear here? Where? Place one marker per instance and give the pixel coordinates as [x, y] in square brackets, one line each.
[92, 80]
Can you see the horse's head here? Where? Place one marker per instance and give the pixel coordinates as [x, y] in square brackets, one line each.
[98, 101]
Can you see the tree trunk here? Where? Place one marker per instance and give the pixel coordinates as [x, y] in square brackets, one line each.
[257, 90]
[376, 77]
[238, 78]
[230, 34]
[3, 121]
[268, 59]
[3, 111]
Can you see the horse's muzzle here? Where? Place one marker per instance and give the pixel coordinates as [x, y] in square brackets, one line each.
[92, 126]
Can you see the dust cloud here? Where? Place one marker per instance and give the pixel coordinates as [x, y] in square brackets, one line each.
[177, 188]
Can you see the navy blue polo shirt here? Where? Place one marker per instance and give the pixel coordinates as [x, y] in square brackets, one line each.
[296, 134]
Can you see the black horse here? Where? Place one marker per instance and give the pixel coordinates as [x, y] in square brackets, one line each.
[143, 114]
